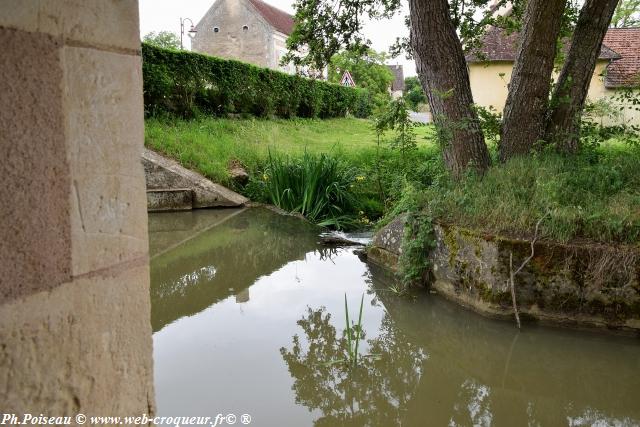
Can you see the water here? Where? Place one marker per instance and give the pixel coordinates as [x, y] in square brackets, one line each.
[247, 311]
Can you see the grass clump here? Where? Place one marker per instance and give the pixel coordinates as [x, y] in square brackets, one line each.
[318, 187]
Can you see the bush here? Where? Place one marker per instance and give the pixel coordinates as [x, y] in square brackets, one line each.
[186, 84]
[319, 187]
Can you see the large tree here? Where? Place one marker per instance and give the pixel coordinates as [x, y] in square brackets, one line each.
[324, 27]
[572, 87]
[526, 106]
[439, 31]
[442, 69]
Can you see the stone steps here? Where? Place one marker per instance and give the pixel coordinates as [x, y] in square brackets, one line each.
[169, 199]
[168, 184]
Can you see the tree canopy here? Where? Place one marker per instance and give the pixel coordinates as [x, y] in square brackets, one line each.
[627, 14]
[368, 70]
[164, 39]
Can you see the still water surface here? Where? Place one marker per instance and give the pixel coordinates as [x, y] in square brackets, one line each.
[247, 309]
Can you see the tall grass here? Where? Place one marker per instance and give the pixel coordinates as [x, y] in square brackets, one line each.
[582, 197]
[316, 186]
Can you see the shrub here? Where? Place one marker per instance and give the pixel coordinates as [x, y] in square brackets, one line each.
[316, 186]
[186, 84]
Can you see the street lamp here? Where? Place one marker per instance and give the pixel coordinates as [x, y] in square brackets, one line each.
[192, 30]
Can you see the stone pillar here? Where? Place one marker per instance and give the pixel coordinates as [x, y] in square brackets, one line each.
[75, 332]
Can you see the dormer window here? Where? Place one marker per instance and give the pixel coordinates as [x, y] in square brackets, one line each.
[216, 29]
[245, 28]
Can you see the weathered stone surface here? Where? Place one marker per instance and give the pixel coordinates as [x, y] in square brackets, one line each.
[84, 347]
[580, 284]
[386, 246]
[105, 23]
[575, 284]
[163, 173]
[34, 205]
[178, 199]
[105, 136]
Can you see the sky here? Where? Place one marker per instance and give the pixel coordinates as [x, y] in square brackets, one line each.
[164, 15]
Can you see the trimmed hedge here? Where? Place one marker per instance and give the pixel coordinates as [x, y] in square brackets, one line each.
[185, 84]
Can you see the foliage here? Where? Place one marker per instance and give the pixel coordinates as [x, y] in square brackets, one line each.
[324, 28]
[627, 14]
[490, 122]
[395, 117]
[353, 332]
[413, 93]
[163, 39]
[316, 186]
[186, 84]
[593, 197]
[418, 241]
[368, 70]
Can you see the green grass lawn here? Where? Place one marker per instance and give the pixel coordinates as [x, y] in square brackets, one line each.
[208, 145]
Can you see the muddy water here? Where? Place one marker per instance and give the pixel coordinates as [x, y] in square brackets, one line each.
[248, 312]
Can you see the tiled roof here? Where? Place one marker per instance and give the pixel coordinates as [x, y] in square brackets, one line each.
[398, 74]
[500, 45]
[624, 72]
[279, 19]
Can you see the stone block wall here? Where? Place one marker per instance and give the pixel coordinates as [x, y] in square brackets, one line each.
[253, 45]
[75, 333]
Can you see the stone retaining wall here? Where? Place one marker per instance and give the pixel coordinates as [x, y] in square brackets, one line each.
[582, 284]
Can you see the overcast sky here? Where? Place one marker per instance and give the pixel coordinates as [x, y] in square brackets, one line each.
[159, 15]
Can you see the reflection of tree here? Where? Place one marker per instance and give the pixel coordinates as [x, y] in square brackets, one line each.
[376, 392]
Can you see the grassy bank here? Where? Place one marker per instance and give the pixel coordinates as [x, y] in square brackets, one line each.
[578, 197]
[594, 196]
[208, 145]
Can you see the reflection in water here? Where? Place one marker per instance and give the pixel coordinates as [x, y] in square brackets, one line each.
[231, 288]
[375, 392]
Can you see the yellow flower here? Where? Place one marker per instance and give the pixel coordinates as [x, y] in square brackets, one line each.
[265, 177]
[360, 178]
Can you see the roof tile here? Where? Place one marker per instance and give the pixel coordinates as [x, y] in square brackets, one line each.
[279, 19]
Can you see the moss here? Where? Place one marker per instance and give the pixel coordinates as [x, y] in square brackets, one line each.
[451, 243]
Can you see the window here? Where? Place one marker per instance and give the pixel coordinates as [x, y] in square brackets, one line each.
[216, 29]
[245, 27]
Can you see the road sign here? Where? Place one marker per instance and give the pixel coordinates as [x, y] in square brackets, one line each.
[347, 80]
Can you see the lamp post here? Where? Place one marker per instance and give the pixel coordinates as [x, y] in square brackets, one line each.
[192, 30]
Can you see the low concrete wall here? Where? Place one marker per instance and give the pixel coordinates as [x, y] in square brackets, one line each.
[164, 175]
[584, 284]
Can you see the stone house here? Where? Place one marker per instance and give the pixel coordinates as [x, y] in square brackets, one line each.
[247, 30]
[397, 85]
[617, 68]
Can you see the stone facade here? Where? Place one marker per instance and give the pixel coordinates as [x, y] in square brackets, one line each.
[238, 29]
[75, 333]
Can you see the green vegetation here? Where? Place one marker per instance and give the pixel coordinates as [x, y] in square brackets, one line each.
[353, 332]
[368, 70]
[414, 94]
[186, 84]
[594, 196]
[163, 39]
[316, 186]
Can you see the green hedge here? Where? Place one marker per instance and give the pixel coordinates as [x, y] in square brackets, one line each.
[185, 83]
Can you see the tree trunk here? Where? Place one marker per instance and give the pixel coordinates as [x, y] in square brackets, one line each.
[567, 103]
[526, 107]
[443, 73]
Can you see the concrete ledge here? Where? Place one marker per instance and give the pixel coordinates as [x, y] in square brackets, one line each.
[169, 199]
[165, 174]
